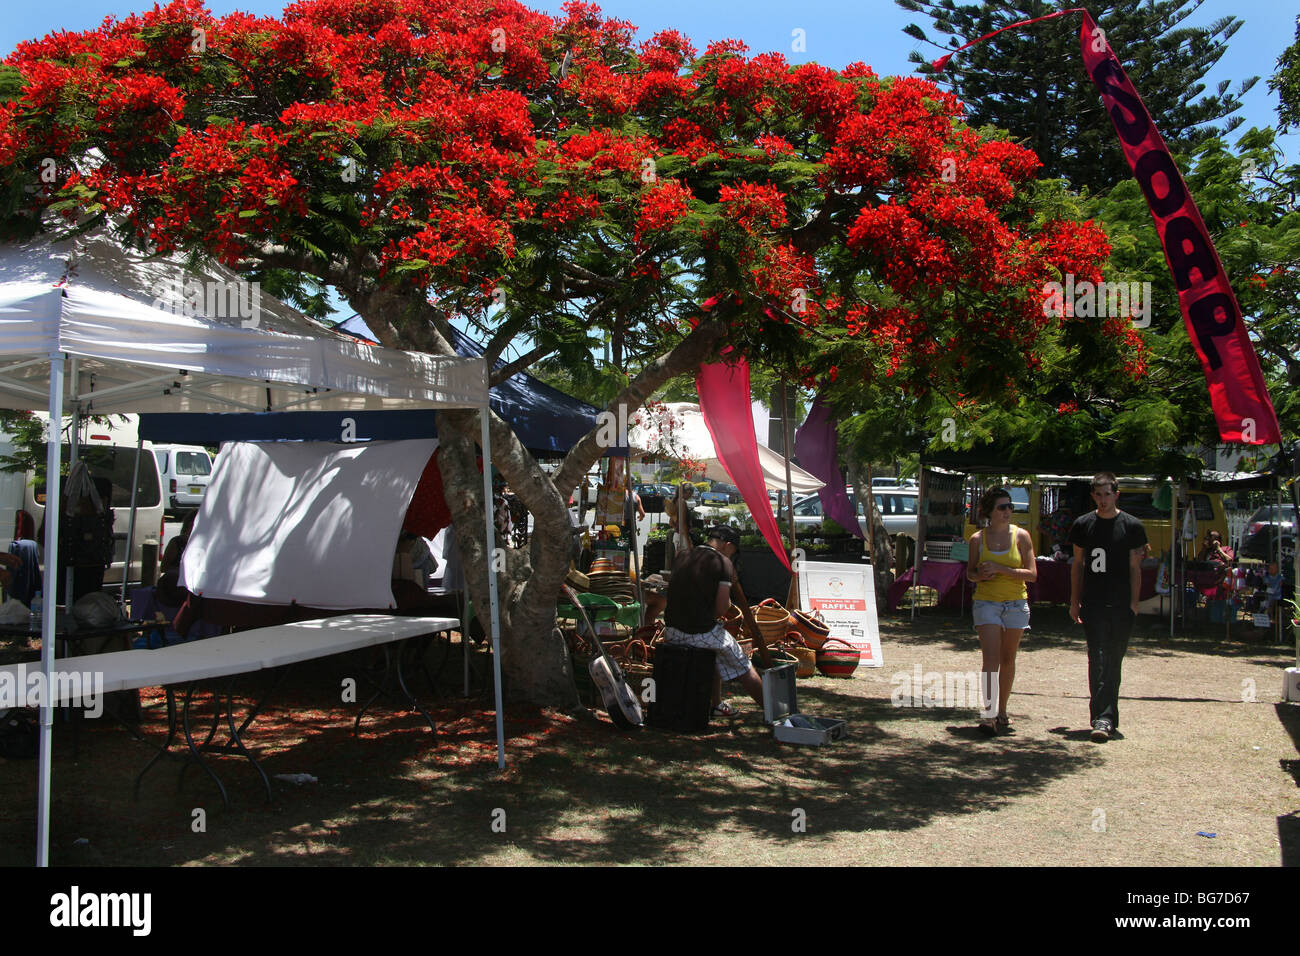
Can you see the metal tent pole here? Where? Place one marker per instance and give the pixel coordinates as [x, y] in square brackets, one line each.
[1277, 615]
[130, 528]
[74, 454]
[52, 492]
[923, 489]
[792, 597]
[1175, 535]
[488, 509]
[632, 543]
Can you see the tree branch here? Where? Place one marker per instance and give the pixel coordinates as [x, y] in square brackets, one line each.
[685, 356]
[510, 368]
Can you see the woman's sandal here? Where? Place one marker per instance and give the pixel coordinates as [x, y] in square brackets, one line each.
[1003, 724]
[988, 727]
[725, 709]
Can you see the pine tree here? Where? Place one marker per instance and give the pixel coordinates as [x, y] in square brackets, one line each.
[1286, 83]
[1031, 81]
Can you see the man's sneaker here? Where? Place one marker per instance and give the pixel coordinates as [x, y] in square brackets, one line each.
[1101, 729]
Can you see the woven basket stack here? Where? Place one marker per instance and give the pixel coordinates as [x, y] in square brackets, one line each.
[612, 584]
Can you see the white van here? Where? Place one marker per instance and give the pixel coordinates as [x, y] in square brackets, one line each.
[108, 452]
[185, 471]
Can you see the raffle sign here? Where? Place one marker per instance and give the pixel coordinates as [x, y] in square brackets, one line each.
[845, 596]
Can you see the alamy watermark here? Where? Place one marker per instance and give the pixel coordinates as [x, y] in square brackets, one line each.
[211, 298]
[23, 688]
[1086, 299]
[97, 910]
[977, 689]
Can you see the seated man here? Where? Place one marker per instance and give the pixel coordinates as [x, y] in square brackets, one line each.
[699, 593]
[23, 561]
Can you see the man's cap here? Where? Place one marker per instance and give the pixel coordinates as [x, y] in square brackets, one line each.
[725, 533]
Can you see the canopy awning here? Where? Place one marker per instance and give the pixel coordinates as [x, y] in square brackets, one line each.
[151, 336]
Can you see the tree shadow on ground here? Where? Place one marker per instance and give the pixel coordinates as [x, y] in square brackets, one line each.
[573, 791]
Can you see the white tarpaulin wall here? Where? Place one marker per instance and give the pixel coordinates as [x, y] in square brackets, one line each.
[310, 523]
[679, 432]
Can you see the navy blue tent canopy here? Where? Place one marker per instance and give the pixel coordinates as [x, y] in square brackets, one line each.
[546, 420]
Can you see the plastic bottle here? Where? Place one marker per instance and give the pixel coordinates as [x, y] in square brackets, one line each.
[36, 609]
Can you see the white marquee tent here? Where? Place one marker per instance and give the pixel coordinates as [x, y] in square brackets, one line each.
[679, 431]
[88, 327]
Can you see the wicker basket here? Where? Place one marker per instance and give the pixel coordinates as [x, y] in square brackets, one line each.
[773, 621]
[838, 661]
[778, 655]
[733, 621]
[811, 628]
[807, 659]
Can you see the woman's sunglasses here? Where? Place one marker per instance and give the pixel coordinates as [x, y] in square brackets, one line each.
[1005, 506]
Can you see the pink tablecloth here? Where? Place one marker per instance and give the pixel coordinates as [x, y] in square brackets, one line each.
[945, 577]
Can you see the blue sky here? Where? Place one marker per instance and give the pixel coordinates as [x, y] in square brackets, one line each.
[836, 32]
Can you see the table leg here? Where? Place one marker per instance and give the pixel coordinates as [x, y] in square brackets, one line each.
[166, 747]
[393, 676]
[194, 750]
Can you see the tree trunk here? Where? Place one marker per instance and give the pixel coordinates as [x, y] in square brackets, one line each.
[882, 554]
[534, 659]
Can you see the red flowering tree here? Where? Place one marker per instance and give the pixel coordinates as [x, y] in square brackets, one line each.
[556, 184]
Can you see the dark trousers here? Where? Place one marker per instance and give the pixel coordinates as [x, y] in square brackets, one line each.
[1107, 630]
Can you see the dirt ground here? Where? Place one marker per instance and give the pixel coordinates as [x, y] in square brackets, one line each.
[1206, 774]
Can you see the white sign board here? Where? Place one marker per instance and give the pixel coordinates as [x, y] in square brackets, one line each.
[845, 596]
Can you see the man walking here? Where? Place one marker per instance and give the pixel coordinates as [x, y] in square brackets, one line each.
[1105, 582]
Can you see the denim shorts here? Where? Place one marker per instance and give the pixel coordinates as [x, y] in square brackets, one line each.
[1009, 615]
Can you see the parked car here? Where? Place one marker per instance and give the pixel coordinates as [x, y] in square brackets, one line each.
[721, 493]
[105, 459]
[186, 471]
[1265, 527]
[897, 508]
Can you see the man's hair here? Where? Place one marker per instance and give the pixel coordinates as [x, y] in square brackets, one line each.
[1105, 478]
[725, 533]
[991, 498]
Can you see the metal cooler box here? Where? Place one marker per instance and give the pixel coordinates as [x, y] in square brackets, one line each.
[781, 711]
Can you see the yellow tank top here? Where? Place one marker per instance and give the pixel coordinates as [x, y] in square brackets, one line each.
[1001, 588]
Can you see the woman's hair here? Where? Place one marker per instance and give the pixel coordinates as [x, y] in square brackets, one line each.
[991, 498]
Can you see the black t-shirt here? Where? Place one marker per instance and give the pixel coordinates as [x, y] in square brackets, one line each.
[693, 589]
[1107, 544]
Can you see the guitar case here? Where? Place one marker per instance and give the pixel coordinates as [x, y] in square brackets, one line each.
[683, 679]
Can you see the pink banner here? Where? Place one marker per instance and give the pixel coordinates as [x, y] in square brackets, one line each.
[724, 403]
[1242, 407]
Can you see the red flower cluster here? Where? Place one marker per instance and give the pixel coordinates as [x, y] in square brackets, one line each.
[661, 206]
[752, 205]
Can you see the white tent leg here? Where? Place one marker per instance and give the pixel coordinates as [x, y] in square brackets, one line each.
[74, 454]
[491, 540]
[52, 493]
[130, 528]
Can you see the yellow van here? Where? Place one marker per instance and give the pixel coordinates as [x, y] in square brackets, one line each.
[1047, 493]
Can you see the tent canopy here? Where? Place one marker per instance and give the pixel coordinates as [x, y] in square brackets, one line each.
[130, 323]
[546, 420]
[679, 432]
[143, 334]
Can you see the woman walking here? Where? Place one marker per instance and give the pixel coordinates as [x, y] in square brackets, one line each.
[1001, 563]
